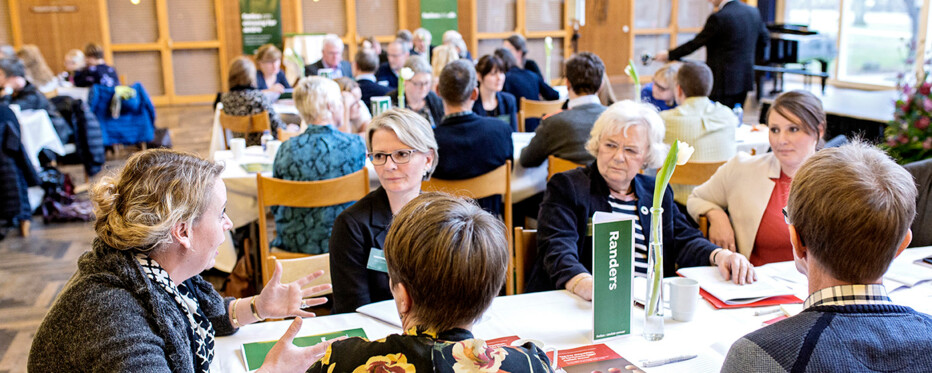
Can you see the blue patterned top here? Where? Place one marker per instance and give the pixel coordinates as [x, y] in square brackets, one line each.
[319, 153]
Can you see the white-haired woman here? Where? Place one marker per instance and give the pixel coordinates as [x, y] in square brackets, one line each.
[626, 138]
[402, 148]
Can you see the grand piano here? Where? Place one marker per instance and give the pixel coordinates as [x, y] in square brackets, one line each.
[793, 45]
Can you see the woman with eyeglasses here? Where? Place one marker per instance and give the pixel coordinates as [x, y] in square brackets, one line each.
[418, 96]
[401, 146]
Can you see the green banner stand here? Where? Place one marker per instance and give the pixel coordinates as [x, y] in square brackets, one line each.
[261, 22]
[438, 16]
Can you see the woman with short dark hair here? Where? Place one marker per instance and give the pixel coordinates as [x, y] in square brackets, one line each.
[492, 102]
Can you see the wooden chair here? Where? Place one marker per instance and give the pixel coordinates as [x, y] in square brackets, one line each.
[495, 182]
[244, 123]
[293, 269]
[556, 165]
[525, 255]
[51, 94]
[284, 135]
[536, 109]
[278, 192]
[696, 173]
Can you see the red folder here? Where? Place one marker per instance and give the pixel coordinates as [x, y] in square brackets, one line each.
[772, 301]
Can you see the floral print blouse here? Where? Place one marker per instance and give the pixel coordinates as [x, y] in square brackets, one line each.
[418, 350]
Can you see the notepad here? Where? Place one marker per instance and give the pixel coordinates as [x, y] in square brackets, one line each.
[729, 293]
[254, 353]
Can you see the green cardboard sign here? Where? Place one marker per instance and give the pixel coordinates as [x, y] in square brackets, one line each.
[254, 353]
[261, 22]
[612, 270]
[438, 16]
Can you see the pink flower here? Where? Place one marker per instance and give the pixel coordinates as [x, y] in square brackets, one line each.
[927, 144]
[906, 88]
[927, 104]
[891, 142]
[922, 123]
[925, 88]
[903, 139]
[905, 106]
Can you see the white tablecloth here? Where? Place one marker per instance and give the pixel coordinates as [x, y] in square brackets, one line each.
[78, 93]
[562, 320]
[752, 139]
[38, 133]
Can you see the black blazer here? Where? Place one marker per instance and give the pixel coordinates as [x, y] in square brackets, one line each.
[531, 66]
[345, 68]
[434, 103]
[370, 89]
[731, 37]
[523, 83]
[563, 247]
[507, 105]
[385, 74]
[356, 231]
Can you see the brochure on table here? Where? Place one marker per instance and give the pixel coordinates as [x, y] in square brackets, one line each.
[612, 270]
[254, 353]
[764, 291]
[593, 358]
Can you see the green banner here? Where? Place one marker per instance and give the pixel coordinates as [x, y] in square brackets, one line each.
[612, 270]
[261, 21]
[438, 16]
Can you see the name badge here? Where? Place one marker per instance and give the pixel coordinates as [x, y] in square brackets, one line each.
[377, 261]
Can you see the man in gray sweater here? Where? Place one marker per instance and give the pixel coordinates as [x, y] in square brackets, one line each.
[565, 134]
[849, 213]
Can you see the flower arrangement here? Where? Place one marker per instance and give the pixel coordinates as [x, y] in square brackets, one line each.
[405, 74]
[908, 135]
[679, 154]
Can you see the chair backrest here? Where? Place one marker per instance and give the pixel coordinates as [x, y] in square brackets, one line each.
[295, 268]
[278, 192]
[694, 173]
[556, 165]
[495, 182]
[51, 94]
[536, 109]
[284, 135]
[244, 123]
[525, 255]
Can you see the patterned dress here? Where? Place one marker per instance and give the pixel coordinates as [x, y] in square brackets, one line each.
[319, 153]
[455, 350]
[247, 101]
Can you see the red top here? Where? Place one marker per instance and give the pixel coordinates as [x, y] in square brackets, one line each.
[772, 243]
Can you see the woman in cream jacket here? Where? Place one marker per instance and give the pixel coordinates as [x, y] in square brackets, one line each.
[754, 189]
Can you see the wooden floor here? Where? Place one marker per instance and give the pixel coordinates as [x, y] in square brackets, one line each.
[34, 269]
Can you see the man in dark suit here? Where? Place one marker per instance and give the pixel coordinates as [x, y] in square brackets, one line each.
[332, 59]
[397, 56]
[365, 64]
[731, 36]
[565, 134]
[469, 145]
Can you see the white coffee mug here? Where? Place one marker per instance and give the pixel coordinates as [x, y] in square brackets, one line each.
[540, 345]
[271, 148]
[238, 147]
[683, 296]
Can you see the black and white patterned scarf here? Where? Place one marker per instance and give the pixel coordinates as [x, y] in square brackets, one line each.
[200, 330]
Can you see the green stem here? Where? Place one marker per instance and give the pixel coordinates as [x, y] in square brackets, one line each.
[660, 186]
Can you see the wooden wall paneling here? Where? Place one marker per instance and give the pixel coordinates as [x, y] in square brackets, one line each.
[56, 33]
[6, 35]
[16, 29]
[222, 41]
[144, 67]
[605, 17]
[168, 70]
[376, 17]
[131, 24]
[466, 22]
[324, 16]
[544, 15]
[536, 52]
[197, 72]
[401, 9]
[521, 16]
[192, 20]
[105, 34]
[497, 17]
[232, 33]
[292, 16]
[352, 25]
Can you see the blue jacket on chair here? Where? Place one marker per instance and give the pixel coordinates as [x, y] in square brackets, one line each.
[135, 123]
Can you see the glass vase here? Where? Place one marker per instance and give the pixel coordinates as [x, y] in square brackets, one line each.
[653, 310]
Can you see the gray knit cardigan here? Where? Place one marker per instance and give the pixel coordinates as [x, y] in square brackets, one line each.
[111, 318]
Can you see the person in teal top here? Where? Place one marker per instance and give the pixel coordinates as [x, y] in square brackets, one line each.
[321, 152]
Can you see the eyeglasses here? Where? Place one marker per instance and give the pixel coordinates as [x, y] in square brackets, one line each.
[421, 84]
[398, 156]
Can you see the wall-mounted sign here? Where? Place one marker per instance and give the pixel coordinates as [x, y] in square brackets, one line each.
[262, 23]
[438, 16]
[54, 9]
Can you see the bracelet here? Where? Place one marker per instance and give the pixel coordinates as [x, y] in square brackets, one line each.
[255, 311]
[236, 323]
[715, 255]
[572, 288]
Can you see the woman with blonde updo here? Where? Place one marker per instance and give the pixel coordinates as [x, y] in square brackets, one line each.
[137, 301]
[37, 71]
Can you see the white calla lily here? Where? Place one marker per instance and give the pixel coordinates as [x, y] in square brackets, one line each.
[684, 153]
[407, 73]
